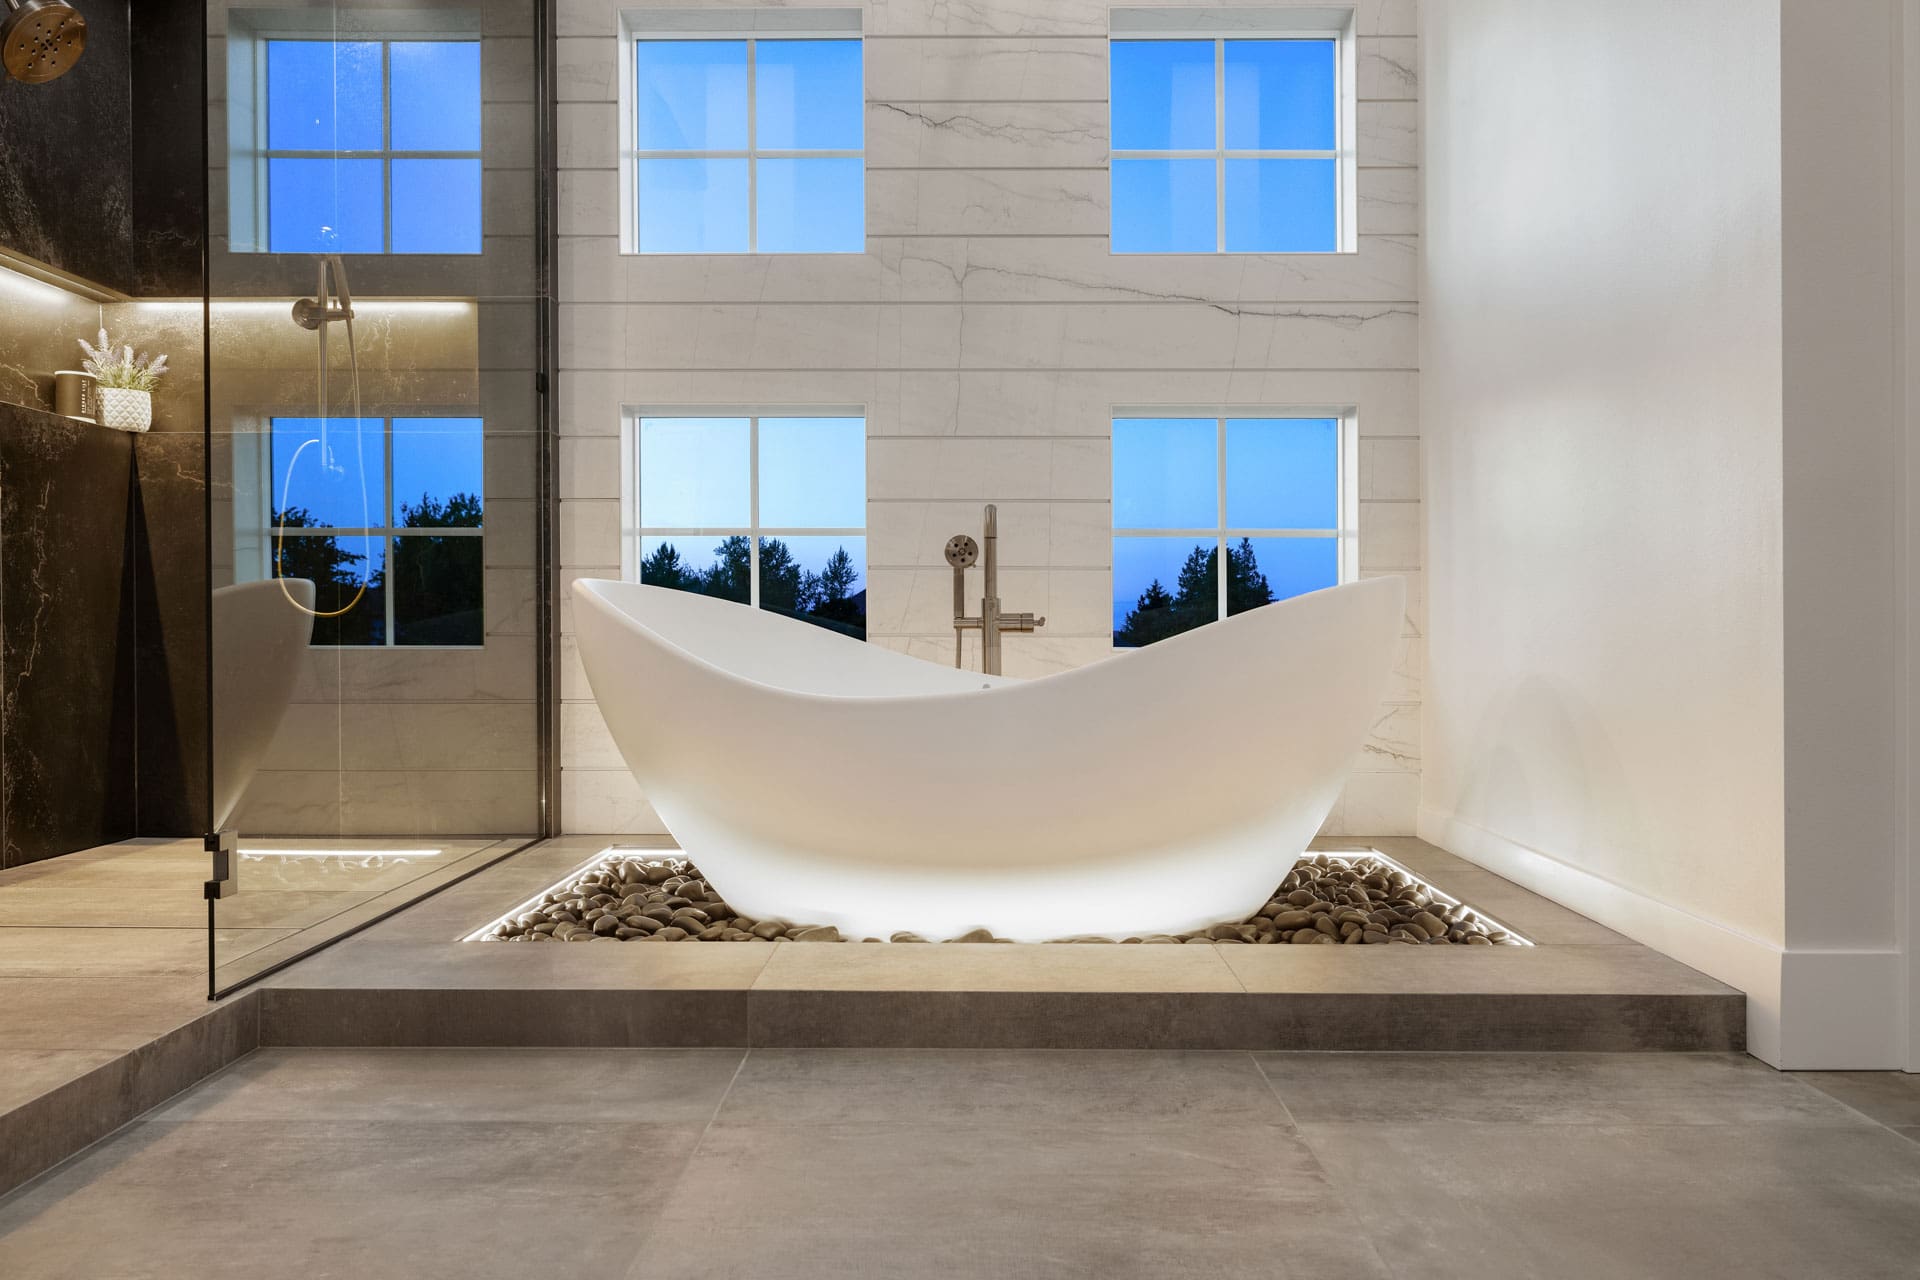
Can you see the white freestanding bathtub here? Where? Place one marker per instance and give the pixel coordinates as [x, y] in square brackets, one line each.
[260, 635]
[814, 778]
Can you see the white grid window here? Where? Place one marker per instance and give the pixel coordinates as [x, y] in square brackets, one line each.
[746, 135]
[1215, 513]
[1229, 135]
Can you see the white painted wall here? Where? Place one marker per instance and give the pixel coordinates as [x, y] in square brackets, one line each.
[1658, 398]
[989, 333]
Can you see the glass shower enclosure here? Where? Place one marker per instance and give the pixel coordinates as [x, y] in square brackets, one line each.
[376, 333]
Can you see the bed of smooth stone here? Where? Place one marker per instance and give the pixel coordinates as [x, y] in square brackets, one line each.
[1324, 901]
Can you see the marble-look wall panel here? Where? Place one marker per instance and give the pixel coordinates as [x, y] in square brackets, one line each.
[68, 605]
[990, 334]
[926, 269]
[40, 331]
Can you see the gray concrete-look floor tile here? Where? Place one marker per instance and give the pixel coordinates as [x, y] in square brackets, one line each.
[95, 1013]
[28, 1073]
[808, 966]
[1630, 1202]
[1891, 1097]
[334, 1198]
[1003, 1202]
[67, 953]
[1453, 970]
[1545, 1088]
[783, 1088]
[562, 1087]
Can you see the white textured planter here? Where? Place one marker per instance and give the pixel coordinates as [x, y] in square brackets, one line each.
[124, 409]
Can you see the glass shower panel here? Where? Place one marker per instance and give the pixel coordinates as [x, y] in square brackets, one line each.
[376, 454]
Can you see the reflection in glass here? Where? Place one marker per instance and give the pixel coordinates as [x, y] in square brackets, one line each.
[808, 95]
[1280, 95]
[1165, 473]
[324, 95]
[436, 95]
[437, 589]
[436, 206]
[348, 573]
[822, 580]
[1162, 95]
[438, 470]
[811, 205]
[1262, 570]
[813, 473]
[1282, 206]
[1161, 587]
[693, 206]
[714, 566]
[336, 486]
[1283, 473]
[324, 205]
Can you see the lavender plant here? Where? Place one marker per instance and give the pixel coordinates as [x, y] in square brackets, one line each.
[122, 368]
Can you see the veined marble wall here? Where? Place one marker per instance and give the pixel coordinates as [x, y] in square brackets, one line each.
[989, 332]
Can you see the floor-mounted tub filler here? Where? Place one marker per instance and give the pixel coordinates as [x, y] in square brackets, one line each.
[814, 777]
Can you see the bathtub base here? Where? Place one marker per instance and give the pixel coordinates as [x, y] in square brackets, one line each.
[1169, 891]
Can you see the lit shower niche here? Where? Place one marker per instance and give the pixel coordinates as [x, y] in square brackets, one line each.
[1357, 898]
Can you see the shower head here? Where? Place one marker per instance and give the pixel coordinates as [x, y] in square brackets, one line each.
[40, 40]
[962, 551]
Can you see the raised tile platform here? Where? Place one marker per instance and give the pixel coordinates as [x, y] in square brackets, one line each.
[82, 1055]
[411, 981]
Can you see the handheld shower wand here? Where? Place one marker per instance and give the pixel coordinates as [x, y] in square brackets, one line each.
[317, 313]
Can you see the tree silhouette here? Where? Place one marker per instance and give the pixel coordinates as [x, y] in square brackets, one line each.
[786, 586]
[336, 576]
[439, 581]
[1195, 600]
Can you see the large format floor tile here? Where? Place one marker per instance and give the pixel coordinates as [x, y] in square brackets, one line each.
[909, 1163]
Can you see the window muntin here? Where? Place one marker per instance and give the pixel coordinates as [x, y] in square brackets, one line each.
[748, 145]
[398, 508]
[371, 146]
[1226, 145]
[765, 509]
[1219, 514]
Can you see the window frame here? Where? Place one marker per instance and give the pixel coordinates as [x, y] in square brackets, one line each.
[251, 31]
[260, 561]
[633, 533]
[1218, 28]
[1346, 470]
[751, 26]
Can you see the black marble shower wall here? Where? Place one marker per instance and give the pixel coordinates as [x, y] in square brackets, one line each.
[103, 640]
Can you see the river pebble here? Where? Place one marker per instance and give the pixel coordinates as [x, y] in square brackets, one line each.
[1324, 900]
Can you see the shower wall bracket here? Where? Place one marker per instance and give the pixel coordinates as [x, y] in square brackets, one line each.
[224, 846]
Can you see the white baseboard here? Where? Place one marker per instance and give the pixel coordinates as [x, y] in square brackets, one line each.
[1806, 1009]
[1735, 958]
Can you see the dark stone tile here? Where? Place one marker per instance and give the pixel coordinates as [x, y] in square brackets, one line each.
[170, 569]
[67, 614]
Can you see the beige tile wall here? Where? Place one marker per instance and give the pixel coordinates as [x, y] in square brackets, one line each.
[989, 333]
